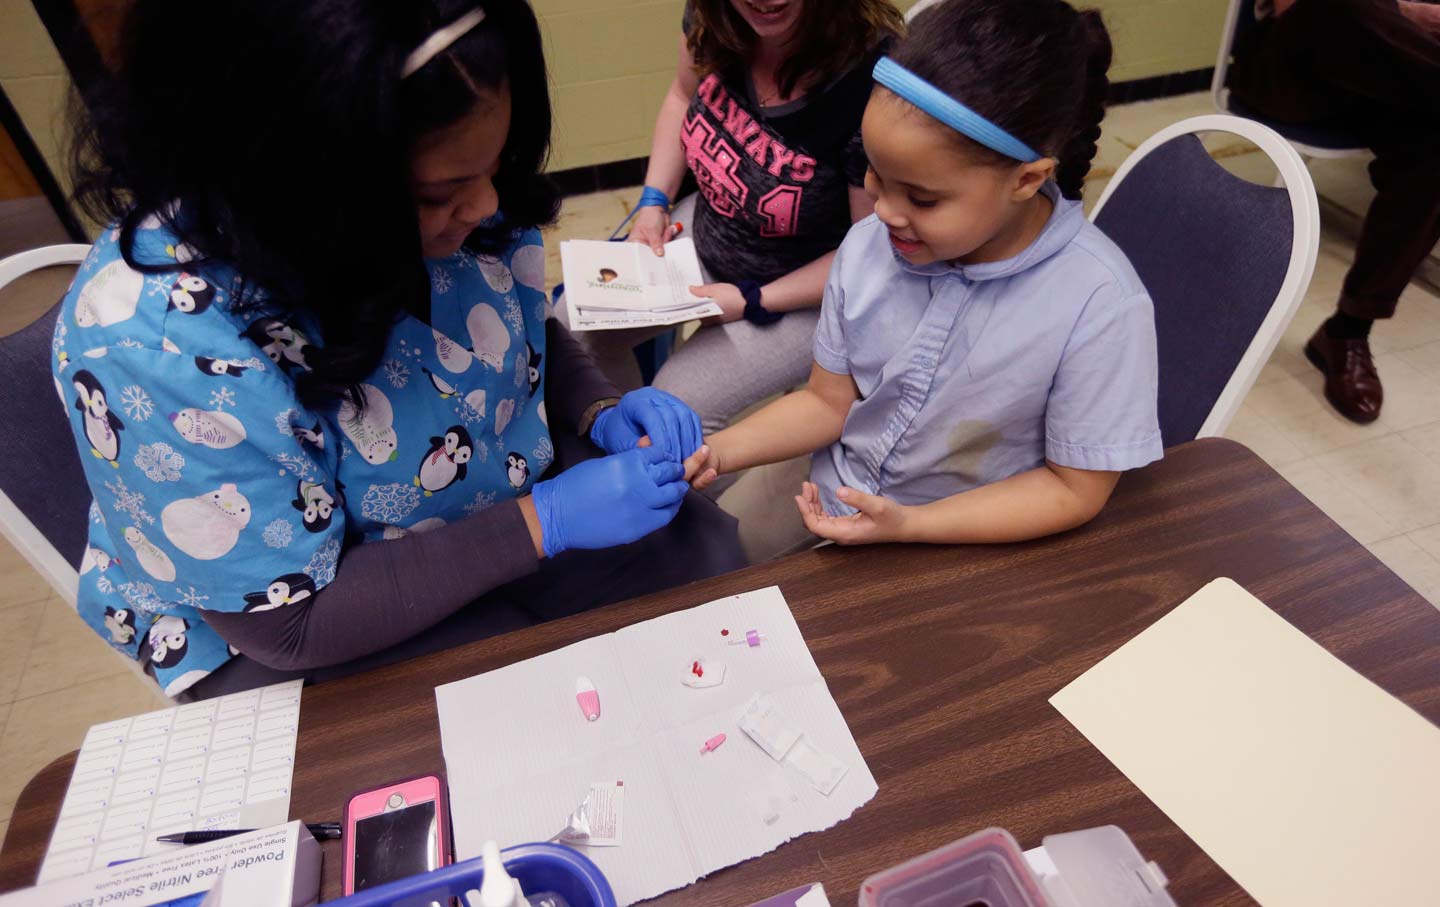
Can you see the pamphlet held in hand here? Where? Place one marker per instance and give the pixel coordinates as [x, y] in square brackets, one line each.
[611, 285]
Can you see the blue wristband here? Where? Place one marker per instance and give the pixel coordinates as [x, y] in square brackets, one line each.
[650, 196]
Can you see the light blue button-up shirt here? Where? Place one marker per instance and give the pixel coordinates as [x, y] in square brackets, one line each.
[972, 374]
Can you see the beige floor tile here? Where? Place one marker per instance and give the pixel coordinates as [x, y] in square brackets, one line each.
[1393, 476]
[1427, 439]
[43, 727]
[1289, 356]
[32, 295]
[1090, 194]
[1424, 359]
[1110, 153]
[1252, 430]
[22, 623]
[1412, 564]
[19, 583]
[1364, 522]
[1246, 162]
[65, 652]
[1416, 323]
[1134, 123]
[1331, 265]
[593, 216]
[5, 811]
[1344, 181]
[1298, 410]
[1411, 398]
[1428, 539]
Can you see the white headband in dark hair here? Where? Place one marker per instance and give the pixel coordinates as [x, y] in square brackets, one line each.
[439, 40]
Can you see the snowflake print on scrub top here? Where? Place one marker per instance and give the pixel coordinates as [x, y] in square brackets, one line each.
[216, 489]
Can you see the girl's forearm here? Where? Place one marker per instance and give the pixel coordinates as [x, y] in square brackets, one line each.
[795, 425]
[1030, 505]
[802, 288]
[667, 156]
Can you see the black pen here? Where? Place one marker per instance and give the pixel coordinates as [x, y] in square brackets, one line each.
[323, 831]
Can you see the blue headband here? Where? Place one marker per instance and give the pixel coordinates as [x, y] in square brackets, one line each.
[950, 111]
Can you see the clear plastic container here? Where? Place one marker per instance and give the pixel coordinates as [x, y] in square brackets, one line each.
[1098, 867]
[1101, 867]
[986, 869]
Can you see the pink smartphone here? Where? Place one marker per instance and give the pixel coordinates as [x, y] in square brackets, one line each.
[394, 831]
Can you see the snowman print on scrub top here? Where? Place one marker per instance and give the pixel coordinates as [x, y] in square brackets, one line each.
[149, 556]
[218, 489]
[217, 430]
[372, 431]
[110, 297]
[207, 526]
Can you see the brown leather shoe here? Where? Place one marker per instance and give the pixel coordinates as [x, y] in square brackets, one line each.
[1352, 385]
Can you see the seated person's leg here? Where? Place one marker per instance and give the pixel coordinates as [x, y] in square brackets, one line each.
[1401, 228]
[1328, 60]
[724, 369]
[763, 500]
[613, 351]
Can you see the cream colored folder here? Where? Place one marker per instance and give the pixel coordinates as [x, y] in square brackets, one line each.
[1307, 783]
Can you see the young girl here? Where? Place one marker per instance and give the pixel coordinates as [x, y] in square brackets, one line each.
[323, 416]
[765, 111]
[985, 361]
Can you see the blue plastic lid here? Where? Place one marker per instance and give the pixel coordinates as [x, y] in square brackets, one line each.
[537, 867]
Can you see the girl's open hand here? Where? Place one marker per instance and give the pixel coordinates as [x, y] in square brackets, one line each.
[702, 467]
[880, 519]
[727, 296]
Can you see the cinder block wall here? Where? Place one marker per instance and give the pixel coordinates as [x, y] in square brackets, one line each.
[610, 62]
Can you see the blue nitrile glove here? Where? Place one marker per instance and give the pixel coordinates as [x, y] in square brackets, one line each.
[672, 426]
[609, 501]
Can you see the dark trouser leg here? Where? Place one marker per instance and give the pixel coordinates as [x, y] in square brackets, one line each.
[1331, 60]
[1362, 65]
[1401, 227]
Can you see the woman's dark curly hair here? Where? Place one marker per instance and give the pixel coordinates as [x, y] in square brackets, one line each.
[1037, 68]
[833, 36]
[283, 130]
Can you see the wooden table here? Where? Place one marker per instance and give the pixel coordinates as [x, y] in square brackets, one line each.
[942, 660]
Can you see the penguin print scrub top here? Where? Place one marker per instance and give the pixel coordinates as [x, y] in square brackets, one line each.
[215, 489]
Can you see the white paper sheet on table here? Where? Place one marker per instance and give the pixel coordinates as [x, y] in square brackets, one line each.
[1307, 783]
[520, 756]
[220, 763]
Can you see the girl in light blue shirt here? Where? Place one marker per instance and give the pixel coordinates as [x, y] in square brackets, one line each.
[985, 362]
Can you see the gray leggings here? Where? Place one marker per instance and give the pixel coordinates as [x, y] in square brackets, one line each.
[721, 370]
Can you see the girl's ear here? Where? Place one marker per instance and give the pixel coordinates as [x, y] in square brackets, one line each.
[1030, 177]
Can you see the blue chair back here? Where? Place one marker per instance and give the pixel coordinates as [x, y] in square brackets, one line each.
[40, 468]
[1213, 251]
